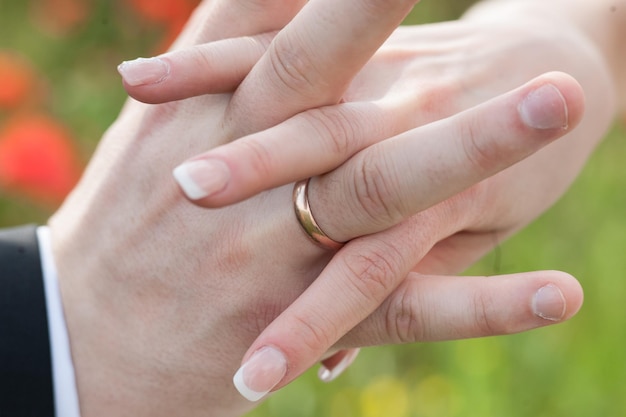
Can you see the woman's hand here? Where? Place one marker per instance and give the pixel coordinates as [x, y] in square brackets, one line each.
[422, 74]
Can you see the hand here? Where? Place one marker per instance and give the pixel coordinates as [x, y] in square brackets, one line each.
[467, 223]
[162, 298]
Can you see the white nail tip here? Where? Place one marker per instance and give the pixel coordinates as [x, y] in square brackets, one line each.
[243, 389]
[327, 375]
[188, 185]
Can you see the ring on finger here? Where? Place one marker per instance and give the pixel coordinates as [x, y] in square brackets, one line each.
[307, 221]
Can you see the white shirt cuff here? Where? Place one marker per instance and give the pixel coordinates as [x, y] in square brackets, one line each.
[64, 382]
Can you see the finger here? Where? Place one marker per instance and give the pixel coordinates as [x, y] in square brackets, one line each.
[430, 308]
[354, 283]
[211, 68]
[334, 366]
[390, 181]
[367, 270]
[312, 60]
[310, 143]
[435, 308]
[200, 70]
[416, 169]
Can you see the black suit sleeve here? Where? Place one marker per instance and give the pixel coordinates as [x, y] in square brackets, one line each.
[25, 364]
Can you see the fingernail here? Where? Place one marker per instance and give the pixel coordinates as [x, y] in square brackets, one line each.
[549, 303]
[201, 178]
[144, 71]
[262, 372]
[327, 375]
[544, 108]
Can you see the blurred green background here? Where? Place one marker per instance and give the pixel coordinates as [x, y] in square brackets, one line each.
[71, 48]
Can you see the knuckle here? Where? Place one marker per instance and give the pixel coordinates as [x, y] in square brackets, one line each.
[202, 56]
[259, 158]
[485, 318]
[481, 154]
[260, 42]
[315, 336]
[374, 190]
[374, 273]
[338, 131]
[403, 321]
[293, 67]
[439, 100]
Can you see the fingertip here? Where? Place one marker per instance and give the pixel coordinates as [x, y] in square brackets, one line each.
[556, 101]
[212, 68]
[263, 371]
[186, 182]
[549, 303]
[144, 71]
[573, 94]
[544, 108]
[559, 299]
[169, 77]
[574, 295]
[244, 390]
[296, 349]
[202, 178]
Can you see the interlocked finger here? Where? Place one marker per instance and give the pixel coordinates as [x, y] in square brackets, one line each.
[390, 181]
[210, 68]
[312, 60]
[418, 170]
[193, 72]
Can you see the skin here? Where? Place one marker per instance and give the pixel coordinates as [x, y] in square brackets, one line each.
[163, 298]
[512, 41]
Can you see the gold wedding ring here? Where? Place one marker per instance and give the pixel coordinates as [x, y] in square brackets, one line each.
[307, 221]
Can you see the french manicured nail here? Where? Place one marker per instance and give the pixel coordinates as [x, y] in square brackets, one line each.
[544, 108]
[201, 178]
[262, 372]
[549, 303]
[144, 71]
[328, 375]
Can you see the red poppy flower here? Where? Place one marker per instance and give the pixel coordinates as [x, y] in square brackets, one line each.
[37, 159]
[16, 80]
